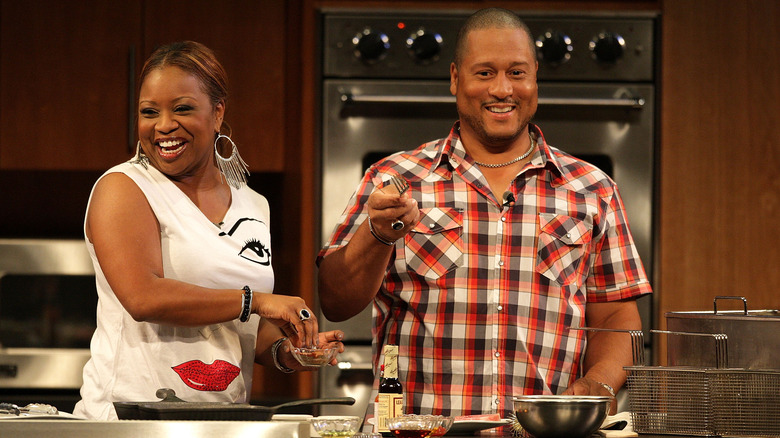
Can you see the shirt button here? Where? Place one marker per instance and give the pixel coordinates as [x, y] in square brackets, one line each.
[496, 401]
[498, 354]
[568, 235]
[500, 307]
[500, 263]
[503, 218]
[432, 225]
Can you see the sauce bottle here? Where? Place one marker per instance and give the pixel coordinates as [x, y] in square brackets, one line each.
[390, 399]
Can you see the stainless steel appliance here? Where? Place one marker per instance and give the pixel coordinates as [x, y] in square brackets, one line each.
[47, 316]
[385, 88]
[753, 336]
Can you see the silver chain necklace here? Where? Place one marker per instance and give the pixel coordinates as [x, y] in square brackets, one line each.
[527, 153]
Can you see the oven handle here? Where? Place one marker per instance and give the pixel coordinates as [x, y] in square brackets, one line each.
[628, 102]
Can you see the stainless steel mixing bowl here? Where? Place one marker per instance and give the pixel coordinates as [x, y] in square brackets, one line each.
[560, 416]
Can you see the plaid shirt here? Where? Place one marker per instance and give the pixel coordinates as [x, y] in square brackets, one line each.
[479, 296]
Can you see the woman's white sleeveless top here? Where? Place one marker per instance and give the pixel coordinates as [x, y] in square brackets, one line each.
[131, 360]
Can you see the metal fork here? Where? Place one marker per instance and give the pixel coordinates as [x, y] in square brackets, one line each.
[400, 184]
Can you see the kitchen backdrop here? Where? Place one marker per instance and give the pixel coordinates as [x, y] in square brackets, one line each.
[717, 202]
[385, 88]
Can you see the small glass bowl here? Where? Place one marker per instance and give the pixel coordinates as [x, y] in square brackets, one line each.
[413, 422]
[336, 426]
[442, 425]
[315, 357]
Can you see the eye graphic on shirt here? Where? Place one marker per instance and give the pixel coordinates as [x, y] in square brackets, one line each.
[253, 248]
[255, 251]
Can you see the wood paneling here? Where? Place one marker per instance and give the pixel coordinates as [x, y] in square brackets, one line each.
[64, 83]
[720, 137]
[68, 84]
[248, 38]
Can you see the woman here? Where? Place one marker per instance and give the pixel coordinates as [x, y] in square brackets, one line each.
[181, 250]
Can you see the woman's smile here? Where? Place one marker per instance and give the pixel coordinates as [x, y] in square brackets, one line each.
[171, 149]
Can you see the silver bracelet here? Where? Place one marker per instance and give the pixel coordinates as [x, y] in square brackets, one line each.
[274, 351]
[607, 387]
[376, 235]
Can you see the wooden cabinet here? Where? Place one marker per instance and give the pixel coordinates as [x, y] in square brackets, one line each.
[249, 40]
[64, 83]
[719, 180]
[68, 74]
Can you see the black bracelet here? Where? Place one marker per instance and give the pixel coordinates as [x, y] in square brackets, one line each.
[246, 308]
[376, 236]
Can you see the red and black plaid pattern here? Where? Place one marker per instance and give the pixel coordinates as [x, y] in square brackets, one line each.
[479, 297]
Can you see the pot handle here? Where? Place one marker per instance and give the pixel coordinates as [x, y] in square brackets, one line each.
[167, 395]
[715, 302]
[316, 401]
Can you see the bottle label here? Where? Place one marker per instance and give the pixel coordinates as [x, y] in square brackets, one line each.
[387, 406]
[391, 361]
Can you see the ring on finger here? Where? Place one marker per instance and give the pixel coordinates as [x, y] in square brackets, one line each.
[397, 224]
[304, 314]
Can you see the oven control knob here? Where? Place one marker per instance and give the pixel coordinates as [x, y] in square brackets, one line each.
[554, 47]
[370, 46]
[607, 47]
[424, 46]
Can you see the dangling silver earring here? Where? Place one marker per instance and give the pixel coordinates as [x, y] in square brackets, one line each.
[140, 157]
[233, 168]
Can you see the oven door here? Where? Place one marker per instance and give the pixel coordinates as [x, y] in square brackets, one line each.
[47, 318]
[610, 125]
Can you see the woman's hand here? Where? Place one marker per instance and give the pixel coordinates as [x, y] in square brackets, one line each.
[326, 339]
[284, 312]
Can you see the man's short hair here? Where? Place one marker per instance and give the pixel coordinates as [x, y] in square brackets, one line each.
[490, 18]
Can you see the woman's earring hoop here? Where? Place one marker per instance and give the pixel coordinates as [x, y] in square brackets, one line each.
[140, 157]
[233, 168]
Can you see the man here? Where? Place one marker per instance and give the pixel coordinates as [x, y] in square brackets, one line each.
[500, 246]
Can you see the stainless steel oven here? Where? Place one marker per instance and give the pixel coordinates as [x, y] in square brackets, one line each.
[48, 302]
[385, 88]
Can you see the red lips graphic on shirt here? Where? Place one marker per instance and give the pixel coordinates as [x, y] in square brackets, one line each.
[212, 377]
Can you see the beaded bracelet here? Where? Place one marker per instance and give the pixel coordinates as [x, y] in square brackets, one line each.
[274, 355]
[246, 307]
[376, 236]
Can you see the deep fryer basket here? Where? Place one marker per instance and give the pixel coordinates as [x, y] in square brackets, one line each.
[717, 401]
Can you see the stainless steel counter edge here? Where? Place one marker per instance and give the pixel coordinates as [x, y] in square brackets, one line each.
[153, 429]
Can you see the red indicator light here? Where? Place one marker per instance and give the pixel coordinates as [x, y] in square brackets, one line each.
[401, 25]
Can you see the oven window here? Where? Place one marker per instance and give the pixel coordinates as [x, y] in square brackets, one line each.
[47, 311]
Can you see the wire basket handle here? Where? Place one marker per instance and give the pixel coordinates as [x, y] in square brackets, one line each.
[637, 341]
[721, 345]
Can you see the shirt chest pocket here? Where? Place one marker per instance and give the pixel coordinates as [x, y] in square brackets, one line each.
[562, 247]
[435, 245]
